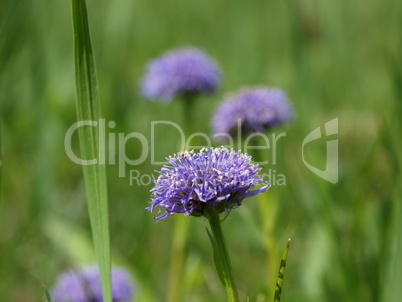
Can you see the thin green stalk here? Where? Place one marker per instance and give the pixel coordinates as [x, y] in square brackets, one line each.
[181, 224]
[177, 258]
[88, 109]
[268, 216]
[189, 120]
[268, 210]
[221, 257]
[47, 295]
[392, 263]
[391, 285]
[1, 162]
[281, 274]
[188, 114]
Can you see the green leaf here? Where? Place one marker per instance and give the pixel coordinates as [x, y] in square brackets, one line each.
[88, 108]
[1, 159]
[48, 299]
[391, 286]
[281, 273]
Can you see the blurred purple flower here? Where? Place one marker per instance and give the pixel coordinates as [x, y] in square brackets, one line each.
[70, 287]
[84, 285]
[213, 178]
[180, 72]
[252, 110]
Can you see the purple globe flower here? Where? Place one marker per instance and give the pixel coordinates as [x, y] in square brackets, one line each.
[252, 110]
[84, 285]
[215, 178]
[186, 71]
[122, 287]
[71, 287]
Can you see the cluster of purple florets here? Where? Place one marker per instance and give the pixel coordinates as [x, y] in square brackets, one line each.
[181, 72]
[215, 178]
[84, 285]
[252, 110]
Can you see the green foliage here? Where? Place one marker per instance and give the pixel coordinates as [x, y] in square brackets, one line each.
[334, 58]
[47, 295]
[281, 274]
[88, 109]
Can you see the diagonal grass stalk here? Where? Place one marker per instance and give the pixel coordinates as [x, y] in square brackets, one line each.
[281, 274]
[88, 108]
[47, 295]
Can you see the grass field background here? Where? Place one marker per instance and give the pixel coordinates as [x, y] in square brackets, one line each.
[335, 59]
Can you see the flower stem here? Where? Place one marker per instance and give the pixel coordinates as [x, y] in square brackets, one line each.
[177, 258]
[268, 208]
[181, 224]
[188, 102]
[221, 257]
[268, 216]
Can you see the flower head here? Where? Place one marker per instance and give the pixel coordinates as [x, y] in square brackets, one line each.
[84, 285]
[215, 178]
[252, 110]
[184, 71]
[71, 286]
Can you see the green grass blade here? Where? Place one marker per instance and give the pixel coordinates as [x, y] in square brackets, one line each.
[88, 108]
[392, 291]
[281, 274]
[1, 161]
[47, 295]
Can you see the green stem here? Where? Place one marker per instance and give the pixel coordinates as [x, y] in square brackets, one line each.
[268, 217]
[177, 258]
[189, 122]
[188, 102]
[224, 267]
[1, 161]
[181, 224]
[268, 209]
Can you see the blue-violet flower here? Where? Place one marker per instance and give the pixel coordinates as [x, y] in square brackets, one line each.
[181, 72]
[84, 285]
[252, 110]
[214, 178]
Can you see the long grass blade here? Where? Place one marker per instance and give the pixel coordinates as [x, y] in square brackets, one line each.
[88, 108]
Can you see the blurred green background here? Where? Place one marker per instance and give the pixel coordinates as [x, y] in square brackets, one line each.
[336, 59]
